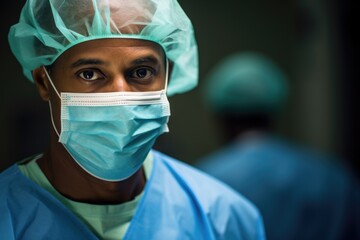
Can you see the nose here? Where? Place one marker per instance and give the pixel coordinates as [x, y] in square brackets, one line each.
[118, 84]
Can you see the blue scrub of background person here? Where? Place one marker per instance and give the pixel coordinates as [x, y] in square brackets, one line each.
[106, 69]
[302, 194]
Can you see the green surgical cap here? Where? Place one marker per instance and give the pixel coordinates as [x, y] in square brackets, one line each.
[245, 83]
[47, 28]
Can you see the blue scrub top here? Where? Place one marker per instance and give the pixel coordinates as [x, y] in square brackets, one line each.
[179, 202]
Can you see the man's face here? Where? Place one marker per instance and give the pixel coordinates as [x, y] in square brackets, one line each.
[106, 65]
[110, 65]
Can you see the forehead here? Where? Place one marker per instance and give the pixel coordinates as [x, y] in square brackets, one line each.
[113, 49]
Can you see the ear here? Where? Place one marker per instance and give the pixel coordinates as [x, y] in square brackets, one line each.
[41, 82]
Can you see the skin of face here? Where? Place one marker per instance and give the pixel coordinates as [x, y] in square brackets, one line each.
[103, 65]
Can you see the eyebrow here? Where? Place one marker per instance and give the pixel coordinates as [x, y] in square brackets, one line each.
[94, 61]
[87, 61]
[147, 59]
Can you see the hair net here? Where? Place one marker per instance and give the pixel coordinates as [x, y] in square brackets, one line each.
[47, 28]
[246, 82]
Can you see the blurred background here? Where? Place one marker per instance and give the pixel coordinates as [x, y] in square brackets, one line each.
[312, 41]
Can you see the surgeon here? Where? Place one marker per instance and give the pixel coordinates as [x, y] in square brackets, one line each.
[106, 69]
[301, 193]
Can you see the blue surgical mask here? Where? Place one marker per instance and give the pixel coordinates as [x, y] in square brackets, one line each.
[110, 134]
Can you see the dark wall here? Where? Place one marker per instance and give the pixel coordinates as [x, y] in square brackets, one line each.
[23, 113]
[310, 40]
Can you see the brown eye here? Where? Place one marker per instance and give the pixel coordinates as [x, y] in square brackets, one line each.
[143, 73]
[90, 75]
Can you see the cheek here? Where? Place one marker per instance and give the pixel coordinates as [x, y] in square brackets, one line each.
[164, 80]
[158, 84]
[161, 84]
[64, 79]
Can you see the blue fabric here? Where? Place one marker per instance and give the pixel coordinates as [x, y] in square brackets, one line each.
[300, 194]
[29, 212]
[99, 129]
[179, 202]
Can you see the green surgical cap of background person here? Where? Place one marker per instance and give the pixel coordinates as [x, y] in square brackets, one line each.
[47, 28]
[245, 83]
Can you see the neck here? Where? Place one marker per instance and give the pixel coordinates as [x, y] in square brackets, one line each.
[68, 178]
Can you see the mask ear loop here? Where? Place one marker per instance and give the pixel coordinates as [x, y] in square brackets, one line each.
[51, 116]
[166, 74]
[51, 82]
